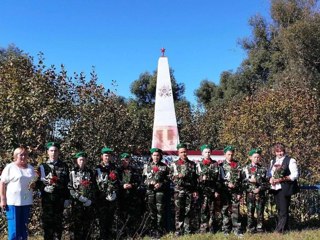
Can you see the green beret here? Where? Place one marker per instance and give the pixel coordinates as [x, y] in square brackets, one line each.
[204, 146]
[181, 145]
[152, 150]
[124, 155]
[228, 148]
[255, 150]
[52, 144]
[80, 154]
[106, 150]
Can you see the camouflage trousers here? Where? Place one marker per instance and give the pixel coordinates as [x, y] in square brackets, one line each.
[186, 212]
[106, 215]
[230, 211]
[155, 204]
[207, 212]
[255, 203]
[130, 213]
[82, 221]
[52, 216]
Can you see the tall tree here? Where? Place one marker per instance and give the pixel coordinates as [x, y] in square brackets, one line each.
[30, 99]
[144, 88]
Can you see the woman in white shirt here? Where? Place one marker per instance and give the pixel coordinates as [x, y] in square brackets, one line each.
[17, 182]
[284, 175]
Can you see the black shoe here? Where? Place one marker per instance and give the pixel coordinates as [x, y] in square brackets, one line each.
[238, 234]
[226, 233]
[251, 230]
[260, 230]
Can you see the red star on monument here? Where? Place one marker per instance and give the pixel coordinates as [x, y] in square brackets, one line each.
[162, 51]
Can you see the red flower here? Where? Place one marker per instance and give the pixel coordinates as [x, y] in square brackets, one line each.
[233, 164]
[155, 169]
[180, 162]
[206, 162]
[253, 169]
[112, 176]
[54, 180]
[85, 183]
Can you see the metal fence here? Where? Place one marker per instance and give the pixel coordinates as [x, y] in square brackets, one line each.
[304, 209]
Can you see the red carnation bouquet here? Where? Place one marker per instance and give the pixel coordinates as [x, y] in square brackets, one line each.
[253, 170]
[179, 171]
[155, 169]
[156, 174]
[54, 180]
[107, 182]
[85, 183]
[51, 182]
[84, 187]
[233, 174]
[112, 176]
[206, 162]
[181, 168]
[180, 162]
[278, 171]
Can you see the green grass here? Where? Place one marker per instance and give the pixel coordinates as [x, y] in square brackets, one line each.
[293, 235]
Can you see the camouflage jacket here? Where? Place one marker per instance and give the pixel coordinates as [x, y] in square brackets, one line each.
[257, 172]
[107, 179]
[208, 171]
[232, 174]
[184, 175]
[155, 173]
[82, 183]
[55, 175]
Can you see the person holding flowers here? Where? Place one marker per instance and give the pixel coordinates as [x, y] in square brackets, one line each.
[208, 171]
[108, 185]
[53, 184]
[130, 211]
[16, 190]
[183, 173]
[231, 193]
[155, 174]
[255, 184]
[82, 187]
[284, 175]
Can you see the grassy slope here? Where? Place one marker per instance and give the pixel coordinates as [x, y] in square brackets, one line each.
[293, 235]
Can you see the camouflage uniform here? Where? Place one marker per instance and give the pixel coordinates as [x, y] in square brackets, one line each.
[184, 176]
[208, 171]
[108, 183]
[154, 173]
[82, 186]
[130, 211]
[54, 191]
[229, 197]
[255, 201]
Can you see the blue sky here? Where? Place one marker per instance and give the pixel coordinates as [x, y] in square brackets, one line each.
[123, 38]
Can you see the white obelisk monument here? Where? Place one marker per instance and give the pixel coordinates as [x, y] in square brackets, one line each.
[165, 130]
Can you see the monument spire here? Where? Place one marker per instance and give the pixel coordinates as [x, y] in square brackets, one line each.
[165, 130]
